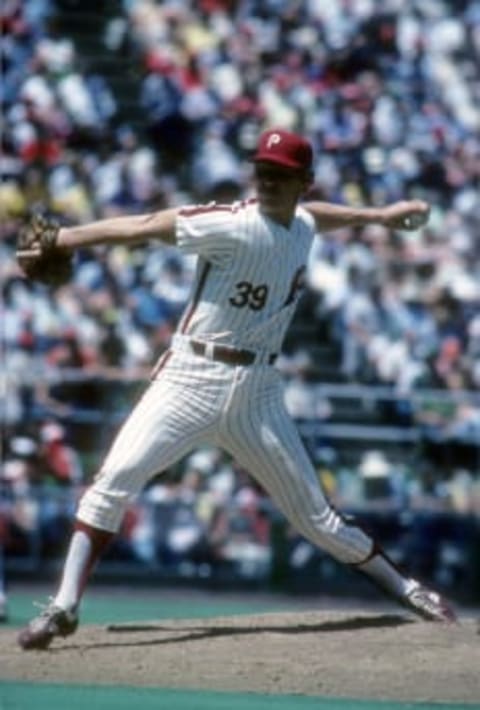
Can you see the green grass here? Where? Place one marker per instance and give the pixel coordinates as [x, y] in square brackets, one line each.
[23, 696]
[123, 605]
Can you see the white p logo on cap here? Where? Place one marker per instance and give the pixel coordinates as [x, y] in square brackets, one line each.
[274, 139]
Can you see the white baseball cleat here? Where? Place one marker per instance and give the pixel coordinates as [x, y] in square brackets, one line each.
[41, 631]
[429, 605]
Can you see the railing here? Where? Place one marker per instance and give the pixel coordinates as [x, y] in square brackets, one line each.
[443, 546]
[358, 418]
[169, 542]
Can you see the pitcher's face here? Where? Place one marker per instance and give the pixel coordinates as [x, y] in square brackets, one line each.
[279, 190]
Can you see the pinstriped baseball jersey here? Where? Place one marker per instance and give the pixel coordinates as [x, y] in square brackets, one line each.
[250, 272]
[249, 276]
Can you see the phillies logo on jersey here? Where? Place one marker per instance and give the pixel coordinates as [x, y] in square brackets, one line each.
[273, 140]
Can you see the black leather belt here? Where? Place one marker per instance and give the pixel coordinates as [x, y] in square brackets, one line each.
[230, 356]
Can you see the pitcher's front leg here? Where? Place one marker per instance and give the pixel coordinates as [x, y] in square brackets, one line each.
[272, 451]
[158, 433]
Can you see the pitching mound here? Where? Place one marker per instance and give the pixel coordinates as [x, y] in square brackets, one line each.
[386, 656]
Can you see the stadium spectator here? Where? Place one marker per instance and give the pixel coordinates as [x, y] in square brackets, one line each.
[387, 95]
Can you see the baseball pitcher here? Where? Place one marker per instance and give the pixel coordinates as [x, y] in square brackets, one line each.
[217, 384]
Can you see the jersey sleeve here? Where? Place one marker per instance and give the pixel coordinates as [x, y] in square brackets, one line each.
[208, 231]
[307, 218]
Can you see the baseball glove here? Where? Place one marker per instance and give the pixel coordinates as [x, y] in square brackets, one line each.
[37, 254]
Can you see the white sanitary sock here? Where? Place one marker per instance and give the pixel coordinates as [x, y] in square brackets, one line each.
[384, 572]
[78, 557]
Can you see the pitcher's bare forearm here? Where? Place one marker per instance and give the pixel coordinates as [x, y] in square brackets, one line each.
[405, 214]
[128, 230]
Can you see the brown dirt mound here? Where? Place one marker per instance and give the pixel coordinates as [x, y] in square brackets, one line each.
[342, 654]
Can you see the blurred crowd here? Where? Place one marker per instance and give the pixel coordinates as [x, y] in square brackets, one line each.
[389, 96]
[208, 521]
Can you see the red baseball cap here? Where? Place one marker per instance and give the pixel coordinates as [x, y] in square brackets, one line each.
[284, 148]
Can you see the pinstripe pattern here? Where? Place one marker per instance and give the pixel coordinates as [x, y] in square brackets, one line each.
[239, 409]
[263, 439]
[244, 296]
[203, 268]
[175, 414]
[243, 248]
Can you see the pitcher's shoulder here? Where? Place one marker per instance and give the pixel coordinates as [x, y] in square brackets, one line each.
[303, 215]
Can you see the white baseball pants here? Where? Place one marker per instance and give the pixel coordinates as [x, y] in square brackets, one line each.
[193, 401]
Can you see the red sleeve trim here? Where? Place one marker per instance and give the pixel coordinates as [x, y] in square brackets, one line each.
[193, 210]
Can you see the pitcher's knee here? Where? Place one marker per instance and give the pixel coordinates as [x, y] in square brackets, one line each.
[103, 508]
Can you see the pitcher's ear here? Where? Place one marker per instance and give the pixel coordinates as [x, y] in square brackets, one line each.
[309, 179]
